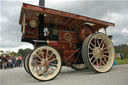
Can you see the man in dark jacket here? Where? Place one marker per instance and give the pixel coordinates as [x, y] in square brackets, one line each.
[4, 61]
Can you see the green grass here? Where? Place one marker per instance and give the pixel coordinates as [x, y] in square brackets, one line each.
[119, 61]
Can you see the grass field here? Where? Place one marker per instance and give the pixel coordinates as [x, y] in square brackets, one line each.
[119, 61]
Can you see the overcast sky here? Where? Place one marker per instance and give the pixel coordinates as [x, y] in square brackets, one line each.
[115, 11]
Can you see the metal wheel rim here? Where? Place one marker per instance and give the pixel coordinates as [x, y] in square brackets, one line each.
[100, 53]
[44, 74]
[25, 63]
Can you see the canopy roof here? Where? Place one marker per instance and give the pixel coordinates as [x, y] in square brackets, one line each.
[57, 17]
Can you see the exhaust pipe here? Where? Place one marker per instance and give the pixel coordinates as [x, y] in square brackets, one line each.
[41, 21]
[42, 3]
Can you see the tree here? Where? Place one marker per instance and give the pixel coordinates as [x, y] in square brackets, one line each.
[13, 53]
[24, 52]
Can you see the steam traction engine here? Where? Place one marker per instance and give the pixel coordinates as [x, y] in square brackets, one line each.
[64, 39]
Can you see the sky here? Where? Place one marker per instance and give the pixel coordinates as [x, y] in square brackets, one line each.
[115, 11]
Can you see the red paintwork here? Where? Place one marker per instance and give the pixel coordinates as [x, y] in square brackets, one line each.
[64, 50]
[62, 36]
[84, 32]
[31, 33]
[65, 14]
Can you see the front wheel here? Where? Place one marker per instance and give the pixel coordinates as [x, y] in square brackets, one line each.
[44, 63]
[98, 52]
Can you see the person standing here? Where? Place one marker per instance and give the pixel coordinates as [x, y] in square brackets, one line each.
[20, 61]
[17, 61]
[121, 56]
[0, 62]
[14, 61]
[4, 62]
[10, 62]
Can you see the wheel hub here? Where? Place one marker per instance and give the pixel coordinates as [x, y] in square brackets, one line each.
[45, 62]
[97, 52]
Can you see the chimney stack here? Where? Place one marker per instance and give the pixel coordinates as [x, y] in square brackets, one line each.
[41, 21]
[42, 3]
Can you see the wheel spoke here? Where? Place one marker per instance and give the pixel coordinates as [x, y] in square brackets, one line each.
[40, 68]
[42, 72]
[51, 68]
[92, 45]
[38, 57]
[101, 43]
[97, 62]
[46, 53]
[91, 58]
[105, 48]
[103, 62]
[50, 56]
[91, 48]
[102, 46]
[54, 59]
[105, 52]
[42, 56]
[95, 41]
[47, 71]
[36, 61]
[34, 67]
[94, 61]
[100, 61]
[53, 64]
[105, 58]
[98, 41]
[35, 64]
[90, 53]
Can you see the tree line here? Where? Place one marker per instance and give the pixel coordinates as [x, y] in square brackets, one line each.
[21, 52]
[123, 49]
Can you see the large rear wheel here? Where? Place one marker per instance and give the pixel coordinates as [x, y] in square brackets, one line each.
[98, 52]
[44, 63]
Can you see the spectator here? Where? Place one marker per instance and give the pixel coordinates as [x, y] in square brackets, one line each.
[14, 61]
[10, 62]
[0, 62]
[4, 61]
[121, 56]
[17, 61]
[20, 61]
